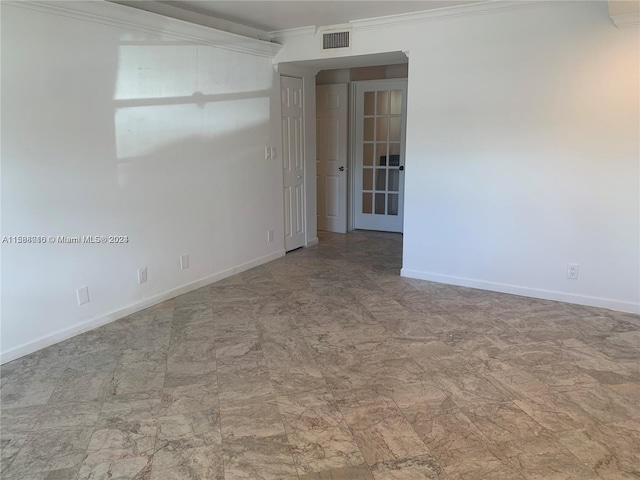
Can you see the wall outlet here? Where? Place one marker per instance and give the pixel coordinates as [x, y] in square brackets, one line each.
[269, 235]
[142, 275]
[83, 295]
[184, 262]
[572, 271]
[267, 153]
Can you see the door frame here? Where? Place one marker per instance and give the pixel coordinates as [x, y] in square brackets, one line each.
[353, 123]
[308, 76]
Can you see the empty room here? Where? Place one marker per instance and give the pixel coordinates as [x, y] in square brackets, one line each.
[320, 240]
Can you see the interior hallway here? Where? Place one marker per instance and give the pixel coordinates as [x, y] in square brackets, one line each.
[325, 364]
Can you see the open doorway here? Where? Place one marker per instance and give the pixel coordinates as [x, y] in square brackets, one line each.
[360, 139]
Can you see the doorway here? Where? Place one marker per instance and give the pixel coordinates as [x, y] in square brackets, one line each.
[360, 143]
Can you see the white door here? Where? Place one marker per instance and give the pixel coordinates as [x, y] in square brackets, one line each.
[331, 158]
[293, 162]
[380, 120]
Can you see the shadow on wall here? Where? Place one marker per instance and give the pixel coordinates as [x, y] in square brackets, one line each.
[160, 141]
[194, 146]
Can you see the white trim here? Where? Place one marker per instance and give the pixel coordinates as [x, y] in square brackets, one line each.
[626, 20]
[353, 122]
[66, 333]
[296, 71]
[312, 242]
[587, 300]
[129, 18]
[492, 6]
[292, 32]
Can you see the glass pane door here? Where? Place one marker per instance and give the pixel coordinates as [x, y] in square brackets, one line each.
[381, 122]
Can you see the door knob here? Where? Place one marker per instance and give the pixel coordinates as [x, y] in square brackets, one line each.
[299, 177]
[341, 169]
[401, 167]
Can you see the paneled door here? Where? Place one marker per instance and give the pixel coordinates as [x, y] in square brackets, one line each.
[380, 123]
[293, 162]
[331, 159]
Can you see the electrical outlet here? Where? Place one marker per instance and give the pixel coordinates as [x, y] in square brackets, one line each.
[269, 235]
[184, 262]
[83, 295]
[142, 275]
[572, 271]
[267, 153]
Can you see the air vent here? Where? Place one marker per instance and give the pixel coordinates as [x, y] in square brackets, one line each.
[335, 40]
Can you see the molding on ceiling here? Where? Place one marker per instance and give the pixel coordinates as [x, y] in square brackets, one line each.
[626, 20]
[492, 6]
[120, 16]
[474, 9]
[181, 13]
[292, 32]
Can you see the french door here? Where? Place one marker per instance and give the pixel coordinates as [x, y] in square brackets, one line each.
[380, 130]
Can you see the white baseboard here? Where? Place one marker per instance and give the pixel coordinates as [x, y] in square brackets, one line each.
[312, 242]
[608, 303]
[66, 333]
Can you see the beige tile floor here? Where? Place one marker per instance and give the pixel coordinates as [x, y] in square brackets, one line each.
[326, 365]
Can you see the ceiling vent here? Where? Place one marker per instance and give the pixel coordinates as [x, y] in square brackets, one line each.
[335, 38]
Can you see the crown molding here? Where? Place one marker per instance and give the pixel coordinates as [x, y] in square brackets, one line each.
[120, 16]
[626, 20]
[292, 32]
[179, 12]
[492, 6]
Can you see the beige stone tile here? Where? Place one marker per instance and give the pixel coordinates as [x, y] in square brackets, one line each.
[381, 431]
[71, 415]
[15, 394]
[443, 427]
[266, 458]
[189, 399]
[326, 365]
[318, 434]
[476, 463]
[556, 412]
[104, 464]
[50, 450]
[260, 419]
[603, 404]
[200, 463]
[543, 458]
[188, 430]
[472, 390]
[630, 391]
[360, 472]
[503, 422]
[417, 468]
[137, 377]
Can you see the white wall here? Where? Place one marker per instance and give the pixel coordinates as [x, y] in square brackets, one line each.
[522, 149]
[109, 131]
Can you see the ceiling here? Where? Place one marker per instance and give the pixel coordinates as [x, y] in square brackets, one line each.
[281, 15]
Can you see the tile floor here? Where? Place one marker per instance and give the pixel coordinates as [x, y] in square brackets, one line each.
[326, 365]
